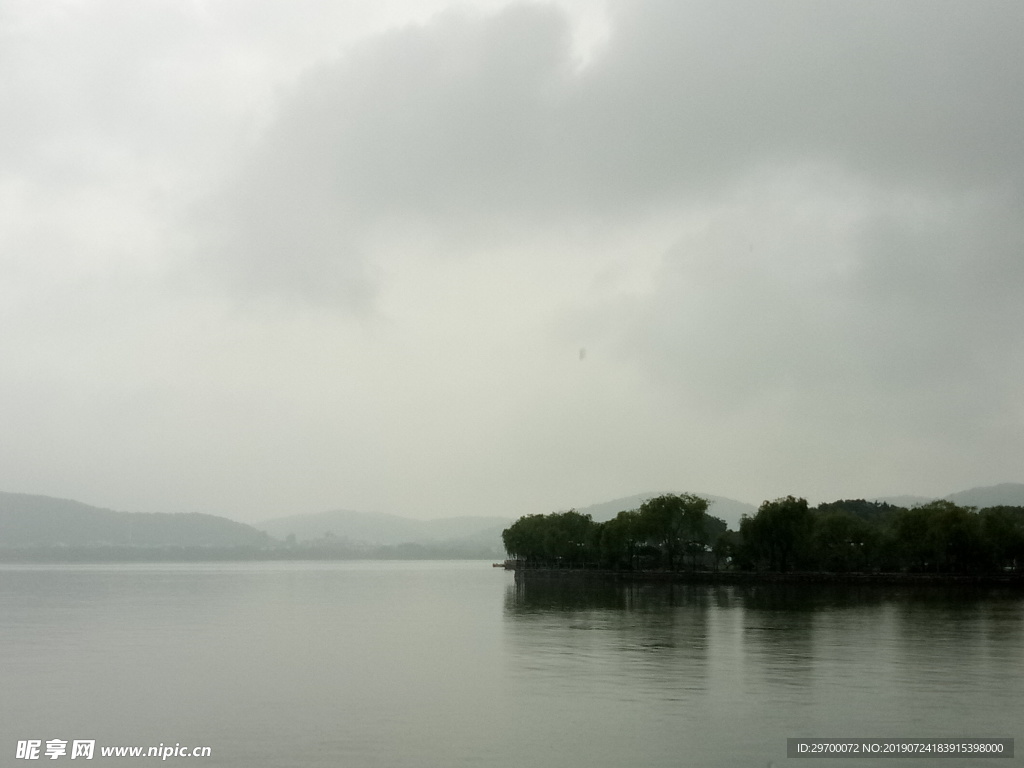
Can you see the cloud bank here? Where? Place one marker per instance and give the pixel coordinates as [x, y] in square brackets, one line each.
[320, 260]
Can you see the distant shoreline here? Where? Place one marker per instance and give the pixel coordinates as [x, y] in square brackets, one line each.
[1015, 580]
[101, 554]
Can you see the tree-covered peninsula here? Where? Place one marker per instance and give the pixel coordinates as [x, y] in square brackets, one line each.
[674, 532]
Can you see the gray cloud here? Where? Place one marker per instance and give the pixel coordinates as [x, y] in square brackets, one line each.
[921, 92]
[468, 121]
[889, 336]
[437, 124]
[788, 234]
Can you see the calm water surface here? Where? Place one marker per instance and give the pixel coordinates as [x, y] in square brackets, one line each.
[455, 664]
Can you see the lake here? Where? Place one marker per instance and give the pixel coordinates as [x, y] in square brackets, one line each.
[447, 664]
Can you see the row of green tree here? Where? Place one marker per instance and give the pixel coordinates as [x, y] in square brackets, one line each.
[670, 531]
[859, 535]
[675, 531]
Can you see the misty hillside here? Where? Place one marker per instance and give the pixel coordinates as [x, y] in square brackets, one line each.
[727, 509]
[41, 521]
[381, 528]
[386, 529]
[1004, 494]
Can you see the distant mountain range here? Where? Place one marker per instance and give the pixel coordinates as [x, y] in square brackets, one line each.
[30, 523]
[42, 521]
[1002, 495]
[377, 528]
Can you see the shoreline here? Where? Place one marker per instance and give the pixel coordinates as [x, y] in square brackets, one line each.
[99, 555]
[1015, 580]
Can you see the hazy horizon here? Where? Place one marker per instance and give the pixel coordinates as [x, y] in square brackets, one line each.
[438, 259]
[257, 521]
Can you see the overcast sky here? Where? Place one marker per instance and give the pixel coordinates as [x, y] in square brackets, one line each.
[262, 258]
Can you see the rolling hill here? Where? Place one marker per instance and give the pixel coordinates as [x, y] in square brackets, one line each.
[1004, 494]
[35, 522]
[42, 521]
